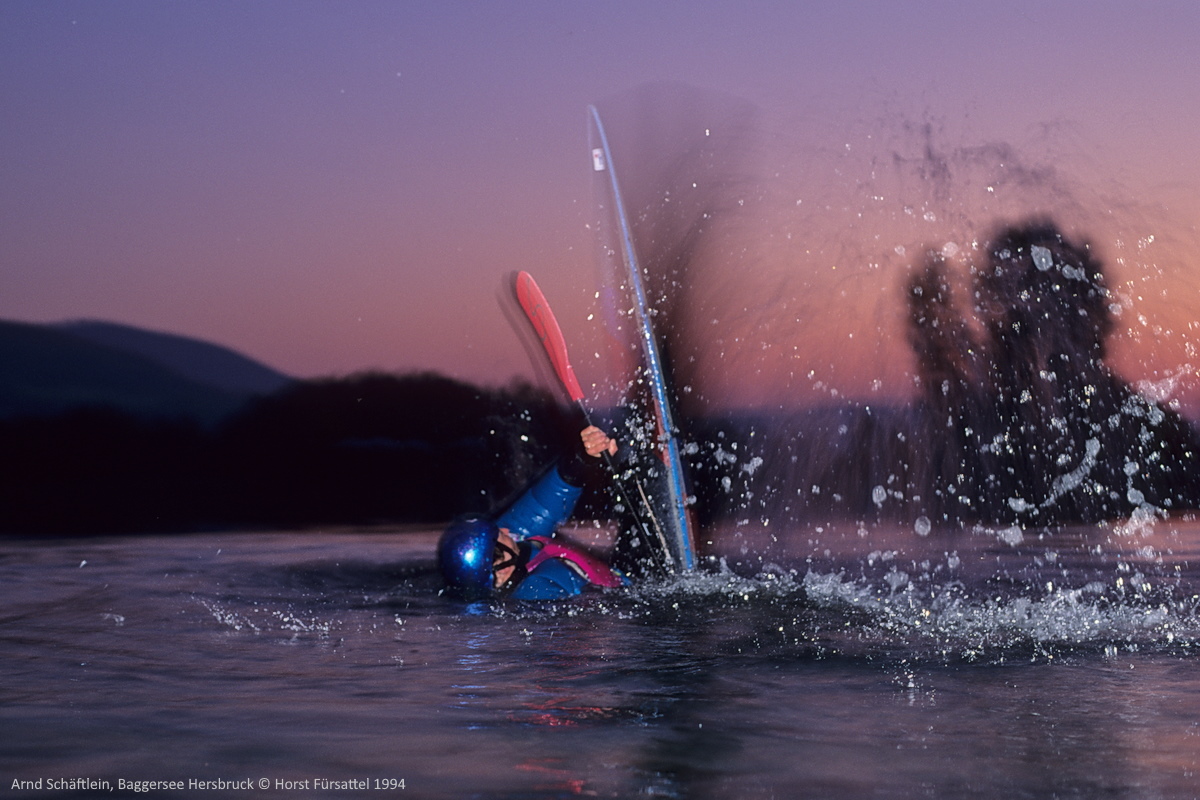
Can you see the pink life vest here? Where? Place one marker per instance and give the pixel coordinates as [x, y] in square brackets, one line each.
[595, 570]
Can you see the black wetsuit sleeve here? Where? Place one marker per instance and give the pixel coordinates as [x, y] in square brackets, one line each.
[577, 467]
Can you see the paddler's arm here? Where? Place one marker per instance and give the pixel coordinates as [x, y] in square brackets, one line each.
[575, 467]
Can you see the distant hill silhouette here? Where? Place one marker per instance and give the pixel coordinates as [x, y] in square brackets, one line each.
[203, 362]
[46, 370]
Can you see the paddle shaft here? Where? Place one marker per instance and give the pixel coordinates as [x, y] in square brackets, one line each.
[533, 302]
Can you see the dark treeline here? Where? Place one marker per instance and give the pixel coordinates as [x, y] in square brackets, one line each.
[367, 449]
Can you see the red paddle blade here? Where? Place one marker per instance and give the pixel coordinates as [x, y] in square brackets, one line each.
[538, 310]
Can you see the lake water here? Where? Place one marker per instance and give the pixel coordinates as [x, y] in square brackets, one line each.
[839, 661]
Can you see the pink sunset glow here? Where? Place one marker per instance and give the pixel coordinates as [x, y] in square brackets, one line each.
[331, 188]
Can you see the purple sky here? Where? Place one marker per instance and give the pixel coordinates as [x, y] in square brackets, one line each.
[331, 187]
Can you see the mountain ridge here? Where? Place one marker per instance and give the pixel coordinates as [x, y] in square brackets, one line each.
[50, 369]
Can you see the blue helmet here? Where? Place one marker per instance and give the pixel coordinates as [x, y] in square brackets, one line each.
[465, 555]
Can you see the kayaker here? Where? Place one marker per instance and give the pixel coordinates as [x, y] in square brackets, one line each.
[517, 554]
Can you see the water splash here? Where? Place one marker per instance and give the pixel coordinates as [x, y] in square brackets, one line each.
[864, 310]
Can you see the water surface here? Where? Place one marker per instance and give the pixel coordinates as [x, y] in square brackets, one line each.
[835, 660]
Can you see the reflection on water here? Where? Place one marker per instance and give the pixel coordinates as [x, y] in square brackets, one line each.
[822, 661]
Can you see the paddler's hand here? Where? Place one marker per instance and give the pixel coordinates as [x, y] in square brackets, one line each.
[596, 441]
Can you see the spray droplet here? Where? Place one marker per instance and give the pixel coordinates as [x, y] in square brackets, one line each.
[1041, 257]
